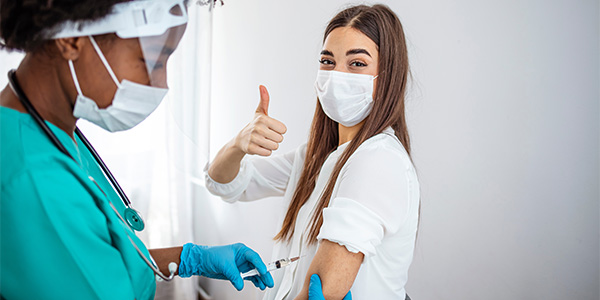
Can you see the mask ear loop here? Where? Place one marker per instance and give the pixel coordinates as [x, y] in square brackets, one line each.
[104, 61]
[373, 98]
[74, 76]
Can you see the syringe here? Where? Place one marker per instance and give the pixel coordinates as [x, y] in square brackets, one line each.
[278, 264]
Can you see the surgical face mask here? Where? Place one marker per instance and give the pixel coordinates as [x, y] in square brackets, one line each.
[132, 103]
[346, 98]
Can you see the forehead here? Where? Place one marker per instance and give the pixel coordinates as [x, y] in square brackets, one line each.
[345, 38]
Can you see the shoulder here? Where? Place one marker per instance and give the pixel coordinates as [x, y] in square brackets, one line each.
[58, 191]
[381, 152]
[31, 163]
[377, 183]
[52, 189]
[47, 180]
[380, 175]
[11, 143]
[24, 146]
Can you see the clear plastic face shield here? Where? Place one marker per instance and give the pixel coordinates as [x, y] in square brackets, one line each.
[152, 28]
[156, 51]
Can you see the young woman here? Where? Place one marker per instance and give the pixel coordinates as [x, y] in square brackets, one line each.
[352, 189]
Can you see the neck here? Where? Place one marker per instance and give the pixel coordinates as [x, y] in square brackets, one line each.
[40, 80]
[348, 133]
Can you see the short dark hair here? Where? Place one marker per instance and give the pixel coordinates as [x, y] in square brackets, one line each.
[25, 24]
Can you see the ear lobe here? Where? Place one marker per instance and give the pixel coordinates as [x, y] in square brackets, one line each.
[70, 48]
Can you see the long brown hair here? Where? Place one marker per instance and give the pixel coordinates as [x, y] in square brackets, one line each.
[383, 27]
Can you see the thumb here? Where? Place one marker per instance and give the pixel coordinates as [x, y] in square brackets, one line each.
[263, 106]
[315, 289]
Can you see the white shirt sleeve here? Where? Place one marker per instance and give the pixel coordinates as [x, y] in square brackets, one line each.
[372, 199]
[258, 177]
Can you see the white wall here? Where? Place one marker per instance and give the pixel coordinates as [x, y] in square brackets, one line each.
[504, 118]
[8, 61]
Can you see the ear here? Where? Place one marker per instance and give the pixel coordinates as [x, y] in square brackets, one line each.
[70, 48]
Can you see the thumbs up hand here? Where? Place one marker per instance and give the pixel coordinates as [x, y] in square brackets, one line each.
[263, 135]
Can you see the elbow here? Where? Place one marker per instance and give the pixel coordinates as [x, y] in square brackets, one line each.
[225, 196]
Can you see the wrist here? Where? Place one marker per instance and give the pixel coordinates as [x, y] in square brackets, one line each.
[192, 256]
[235, 149]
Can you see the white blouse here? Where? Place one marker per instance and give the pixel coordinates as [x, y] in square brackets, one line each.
[374, 210]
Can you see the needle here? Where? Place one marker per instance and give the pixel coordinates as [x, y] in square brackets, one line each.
[278, 264]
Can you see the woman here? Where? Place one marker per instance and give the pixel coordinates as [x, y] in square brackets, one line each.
[352, 189]
[65, 233]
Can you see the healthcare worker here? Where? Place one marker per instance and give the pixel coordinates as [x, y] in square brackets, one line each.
[67, 228]
[66, 233]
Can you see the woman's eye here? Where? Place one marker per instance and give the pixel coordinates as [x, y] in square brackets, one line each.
[325, 61]
[358, 64]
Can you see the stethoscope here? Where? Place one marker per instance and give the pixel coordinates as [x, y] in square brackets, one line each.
[132, 218]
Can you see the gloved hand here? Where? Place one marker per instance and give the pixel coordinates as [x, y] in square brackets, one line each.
[224, 262]
[315, 290]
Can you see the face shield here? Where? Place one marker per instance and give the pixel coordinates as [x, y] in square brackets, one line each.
[156, 50]
[152, 28]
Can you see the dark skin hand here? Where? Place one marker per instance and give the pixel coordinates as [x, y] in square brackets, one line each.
[46, 80]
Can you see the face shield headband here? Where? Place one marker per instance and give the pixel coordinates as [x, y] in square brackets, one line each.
[138, 18]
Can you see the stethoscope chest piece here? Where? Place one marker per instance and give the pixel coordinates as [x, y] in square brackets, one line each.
[133, 219]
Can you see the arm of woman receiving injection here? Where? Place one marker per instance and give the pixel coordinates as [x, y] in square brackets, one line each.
[336, 266]
[262, 136]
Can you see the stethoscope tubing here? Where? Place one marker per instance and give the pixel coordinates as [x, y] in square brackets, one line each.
[13, 83]
[36, 115]
[113, 181]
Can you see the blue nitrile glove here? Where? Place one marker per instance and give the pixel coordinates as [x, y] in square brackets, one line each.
[315, 290]
[224, 262]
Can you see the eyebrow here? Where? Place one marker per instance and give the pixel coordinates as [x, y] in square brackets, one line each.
[326, 52]
[349, 52]
[357, 51]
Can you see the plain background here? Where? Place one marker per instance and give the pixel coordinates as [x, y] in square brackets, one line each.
[504, 119]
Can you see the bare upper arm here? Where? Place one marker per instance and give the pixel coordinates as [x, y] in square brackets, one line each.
[337, 268]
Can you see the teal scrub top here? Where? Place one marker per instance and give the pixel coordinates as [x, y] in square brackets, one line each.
[59, 237]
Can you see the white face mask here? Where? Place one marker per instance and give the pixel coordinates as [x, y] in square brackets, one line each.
[132, 103]
[346, 98]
